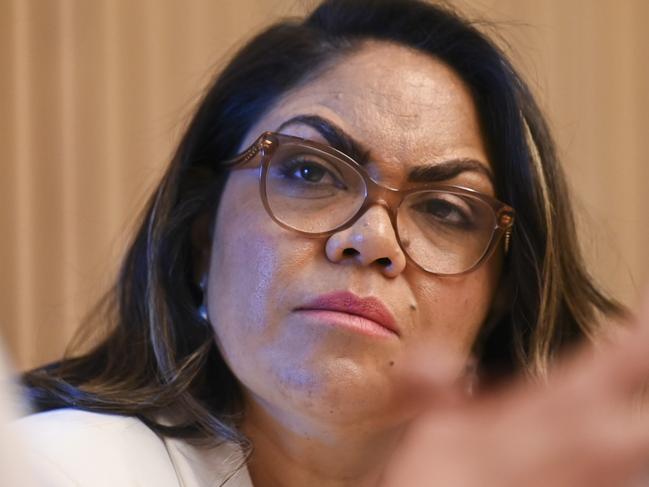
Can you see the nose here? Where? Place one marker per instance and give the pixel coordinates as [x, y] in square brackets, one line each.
[370, 241]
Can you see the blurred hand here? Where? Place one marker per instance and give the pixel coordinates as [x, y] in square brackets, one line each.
[580, 429]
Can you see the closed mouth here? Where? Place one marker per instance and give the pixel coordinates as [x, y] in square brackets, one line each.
[369, 308]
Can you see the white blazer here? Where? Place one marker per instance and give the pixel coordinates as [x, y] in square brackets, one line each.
[68, 447]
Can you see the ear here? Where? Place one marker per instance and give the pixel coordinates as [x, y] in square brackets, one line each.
[200, 235]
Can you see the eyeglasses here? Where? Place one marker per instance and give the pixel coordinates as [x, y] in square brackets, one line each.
[316, 190]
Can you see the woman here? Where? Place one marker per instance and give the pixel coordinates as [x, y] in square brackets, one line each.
[364, 221]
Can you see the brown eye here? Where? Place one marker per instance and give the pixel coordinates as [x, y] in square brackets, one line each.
[442, 210]
[308, 171]
[311, 173]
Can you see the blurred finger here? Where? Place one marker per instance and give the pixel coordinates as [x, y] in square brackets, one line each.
[615, 369]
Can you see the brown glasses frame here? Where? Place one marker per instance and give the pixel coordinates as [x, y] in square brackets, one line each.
[390, 198]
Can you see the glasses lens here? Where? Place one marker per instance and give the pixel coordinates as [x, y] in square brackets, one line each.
[311, 190]
[445, 232]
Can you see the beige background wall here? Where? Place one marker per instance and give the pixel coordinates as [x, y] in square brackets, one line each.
[94, 94]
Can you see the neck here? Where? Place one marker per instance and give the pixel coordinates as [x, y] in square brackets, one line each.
[293, 451]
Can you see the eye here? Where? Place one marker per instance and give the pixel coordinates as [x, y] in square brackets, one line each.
[447, 209]
[443, 210]
[309, 171]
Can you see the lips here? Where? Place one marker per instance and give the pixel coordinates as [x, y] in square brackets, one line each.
[345, 302]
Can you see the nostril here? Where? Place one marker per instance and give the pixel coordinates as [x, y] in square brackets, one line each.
[350, 252]
[384, 261]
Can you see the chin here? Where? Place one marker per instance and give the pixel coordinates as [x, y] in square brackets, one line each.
[335, 390]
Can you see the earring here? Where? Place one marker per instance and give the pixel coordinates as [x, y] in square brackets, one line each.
[202, 309]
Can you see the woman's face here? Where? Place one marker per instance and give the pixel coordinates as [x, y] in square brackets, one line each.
[409, 110]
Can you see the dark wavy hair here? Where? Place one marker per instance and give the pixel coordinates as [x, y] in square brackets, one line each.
[159, 355]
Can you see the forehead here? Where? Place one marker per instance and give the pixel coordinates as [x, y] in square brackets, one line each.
[406, 106]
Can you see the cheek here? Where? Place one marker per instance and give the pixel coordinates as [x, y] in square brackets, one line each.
[253, 265]
[453, 310]
[250, 256]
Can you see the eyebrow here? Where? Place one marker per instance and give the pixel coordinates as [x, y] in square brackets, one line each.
[428, 173]
[334, 135]
[445, 170]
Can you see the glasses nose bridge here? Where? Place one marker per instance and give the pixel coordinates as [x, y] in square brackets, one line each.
[378, 194]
